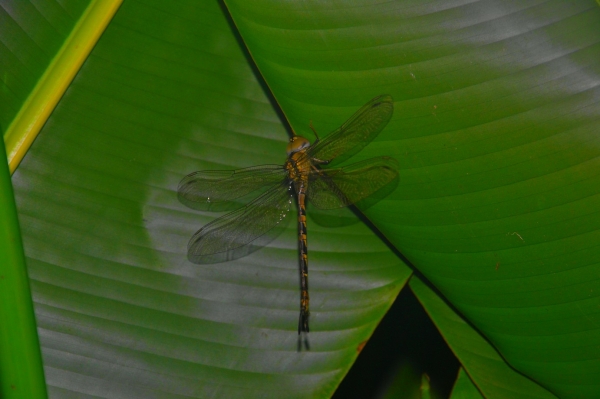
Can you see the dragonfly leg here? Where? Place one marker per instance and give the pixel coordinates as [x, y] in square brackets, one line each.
[320, 161]
[314, 130]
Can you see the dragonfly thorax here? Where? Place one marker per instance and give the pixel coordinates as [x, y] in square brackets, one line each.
[296, 144]
[298, 164]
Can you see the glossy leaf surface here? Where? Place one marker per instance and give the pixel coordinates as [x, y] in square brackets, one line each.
[494, 129]
[121, 311]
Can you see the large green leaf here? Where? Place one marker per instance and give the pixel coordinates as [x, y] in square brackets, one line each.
[43, 46]
[493, 128]
[493, 377]
[121, 311]
[464, 388]
[21, 371]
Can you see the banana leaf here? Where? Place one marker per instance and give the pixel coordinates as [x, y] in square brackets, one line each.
[493, 128]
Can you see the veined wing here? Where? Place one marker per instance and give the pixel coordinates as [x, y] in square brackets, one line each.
[337, 188]
[356, 132]
[244, 230]
[215, 189]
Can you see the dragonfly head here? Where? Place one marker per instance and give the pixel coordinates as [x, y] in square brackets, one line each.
[297, 143]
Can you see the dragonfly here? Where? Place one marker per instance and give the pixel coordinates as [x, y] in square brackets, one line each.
[308, 175]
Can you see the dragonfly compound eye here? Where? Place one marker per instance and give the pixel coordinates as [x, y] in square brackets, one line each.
[297, 143]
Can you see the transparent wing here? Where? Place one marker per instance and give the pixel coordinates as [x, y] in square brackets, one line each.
[242, 231]
[355, 133]
[215, 189]
[337, 188]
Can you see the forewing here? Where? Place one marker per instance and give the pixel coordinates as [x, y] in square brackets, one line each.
[355, 133]
[215, 189]
[242, 231]
[337, 188]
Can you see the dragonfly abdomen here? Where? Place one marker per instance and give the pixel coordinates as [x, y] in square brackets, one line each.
[303, 254]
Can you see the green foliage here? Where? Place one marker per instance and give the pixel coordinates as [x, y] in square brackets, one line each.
[494, 130]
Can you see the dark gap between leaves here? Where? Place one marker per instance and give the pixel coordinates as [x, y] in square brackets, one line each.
[406, 343]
